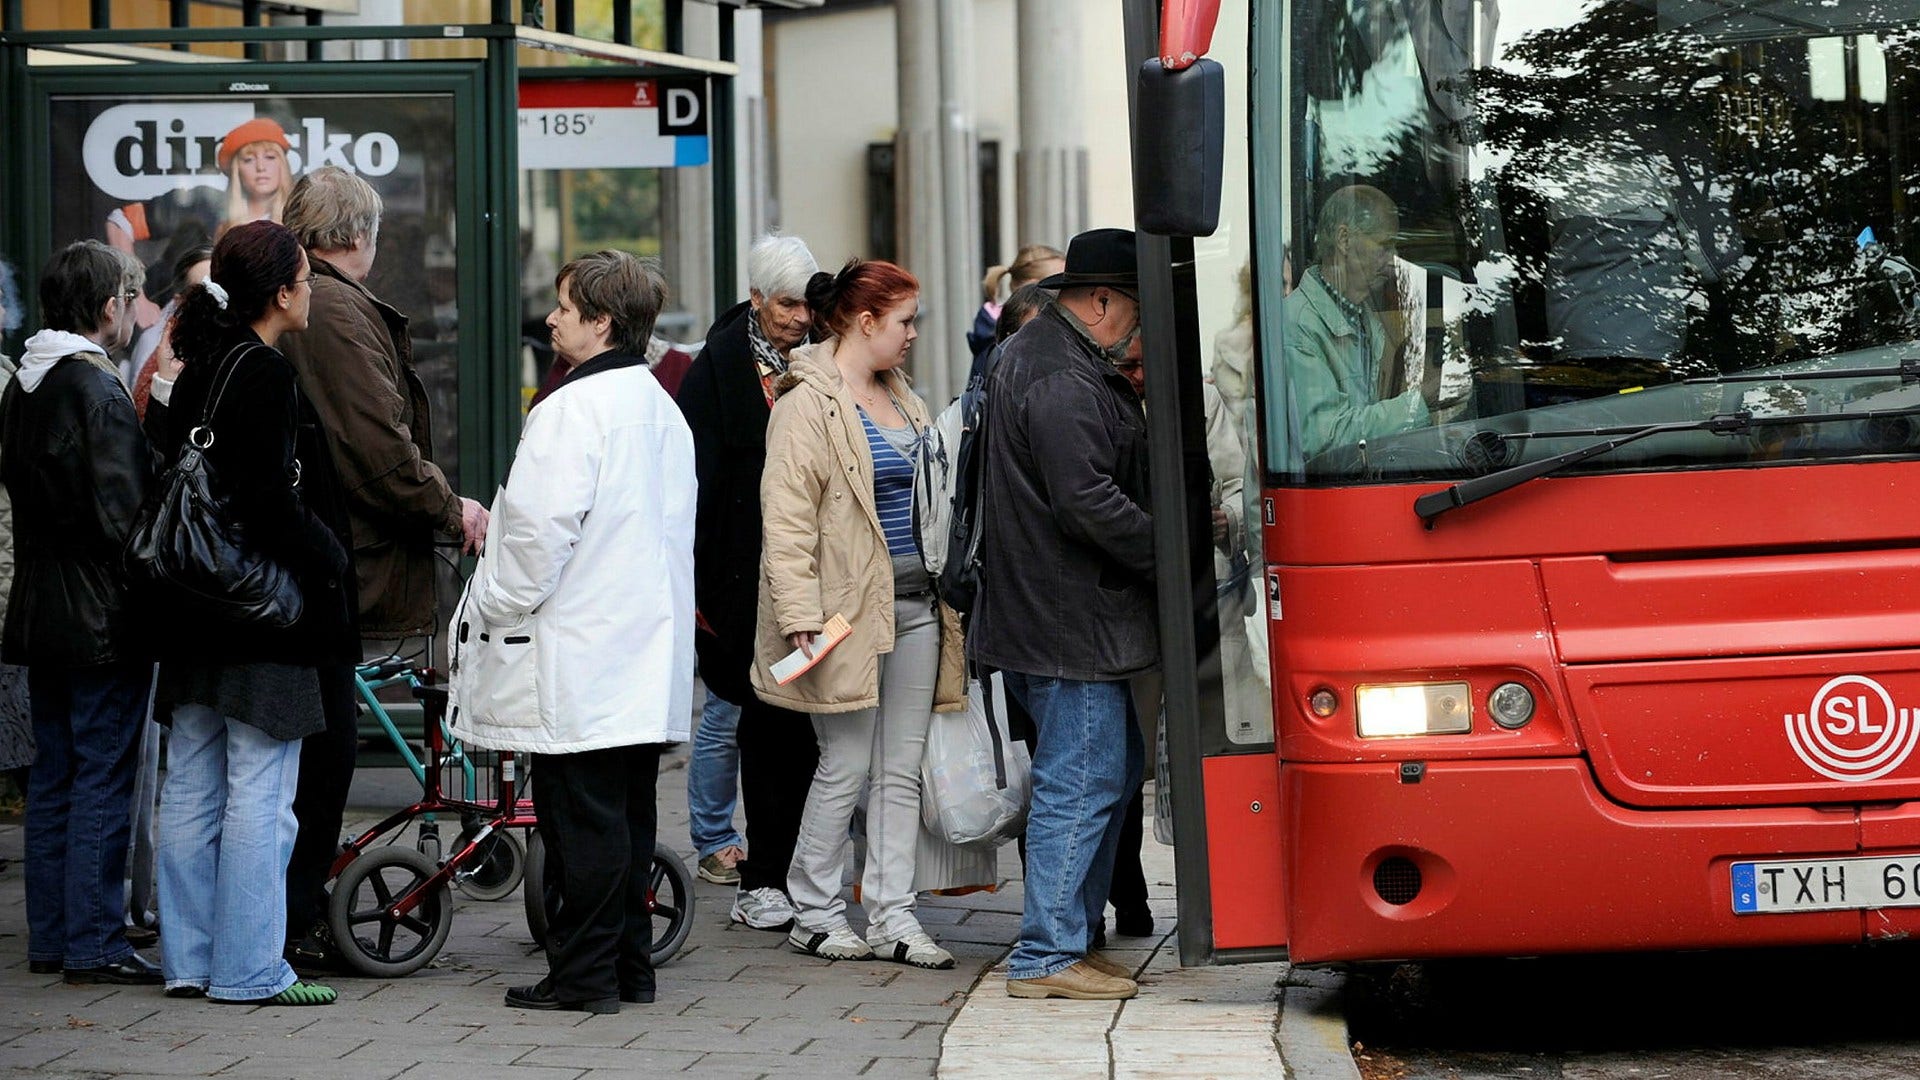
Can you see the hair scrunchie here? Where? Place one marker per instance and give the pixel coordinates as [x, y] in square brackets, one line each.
[214, 290]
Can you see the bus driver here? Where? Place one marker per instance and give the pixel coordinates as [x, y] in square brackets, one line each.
[1336, 346]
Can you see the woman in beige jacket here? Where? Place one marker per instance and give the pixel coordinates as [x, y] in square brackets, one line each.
[836, 499]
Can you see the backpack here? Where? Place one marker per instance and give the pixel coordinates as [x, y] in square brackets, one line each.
[947, 500]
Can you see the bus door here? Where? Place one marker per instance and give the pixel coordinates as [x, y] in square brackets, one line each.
[1212, 751]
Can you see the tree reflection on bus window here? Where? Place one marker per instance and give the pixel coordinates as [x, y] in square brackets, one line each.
[1611, 213]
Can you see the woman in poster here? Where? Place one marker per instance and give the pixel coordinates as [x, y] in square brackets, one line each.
[254, 157]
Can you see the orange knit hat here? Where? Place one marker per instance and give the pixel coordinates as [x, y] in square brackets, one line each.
[257, 130]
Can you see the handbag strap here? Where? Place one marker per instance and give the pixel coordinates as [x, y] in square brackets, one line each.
[203, 430]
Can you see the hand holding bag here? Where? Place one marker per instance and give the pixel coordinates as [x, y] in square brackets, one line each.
[189, 551]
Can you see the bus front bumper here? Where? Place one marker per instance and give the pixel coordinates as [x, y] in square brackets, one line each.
[1529, 857]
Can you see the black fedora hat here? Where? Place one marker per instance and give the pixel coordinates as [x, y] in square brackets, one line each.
[1099, 257]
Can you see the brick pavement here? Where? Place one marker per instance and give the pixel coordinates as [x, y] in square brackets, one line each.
[734, 1003]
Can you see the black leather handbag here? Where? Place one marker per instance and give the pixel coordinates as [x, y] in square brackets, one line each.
[189, 553]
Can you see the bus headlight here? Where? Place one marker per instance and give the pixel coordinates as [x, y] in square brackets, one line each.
[1510, 705]
[1414, 709]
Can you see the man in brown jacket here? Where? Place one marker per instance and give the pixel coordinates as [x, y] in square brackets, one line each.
[355, 362]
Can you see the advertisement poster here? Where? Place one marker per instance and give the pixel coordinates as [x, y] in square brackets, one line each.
[160, 176]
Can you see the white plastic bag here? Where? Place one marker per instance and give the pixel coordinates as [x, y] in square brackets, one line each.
[974, 777]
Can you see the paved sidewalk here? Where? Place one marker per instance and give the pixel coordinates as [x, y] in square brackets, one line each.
[734, 1003]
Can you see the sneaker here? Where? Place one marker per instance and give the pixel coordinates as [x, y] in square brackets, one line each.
[1079, 982]
[719, 869]
[765, 908]
[913, 948]
[839, 943]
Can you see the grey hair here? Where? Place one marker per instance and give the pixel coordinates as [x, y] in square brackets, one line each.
[1364, 209]
[780, 266]
[331, 208]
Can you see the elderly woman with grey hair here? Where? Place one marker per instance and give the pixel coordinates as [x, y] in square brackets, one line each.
[727, 397]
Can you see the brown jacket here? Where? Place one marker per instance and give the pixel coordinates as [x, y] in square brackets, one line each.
[825, 552]
[355, 361]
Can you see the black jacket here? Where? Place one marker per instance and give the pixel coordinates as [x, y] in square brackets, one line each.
[263, 425]
[77, 466]
[727, 410]
[1066, 585]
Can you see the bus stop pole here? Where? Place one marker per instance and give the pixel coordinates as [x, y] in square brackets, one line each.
[720, 129]
[1170, 331]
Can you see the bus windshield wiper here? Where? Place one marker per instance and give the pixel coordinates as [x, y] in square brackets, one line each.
[1431, 505]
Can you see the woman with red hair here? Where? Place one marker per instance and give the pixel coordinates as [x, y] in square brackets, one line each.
[836, 501]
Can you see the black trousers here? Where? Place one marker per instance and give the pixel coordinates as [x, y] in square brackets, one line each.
[320, 801]
[597, 820]
[778, 754]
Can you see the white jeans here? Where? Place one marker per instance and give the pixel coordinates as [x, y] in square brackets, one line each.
[883, 746]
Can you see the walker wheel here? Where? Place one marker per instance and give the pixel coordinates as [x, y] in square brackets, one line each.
[494, 869]
[373, 939]
[669, 886]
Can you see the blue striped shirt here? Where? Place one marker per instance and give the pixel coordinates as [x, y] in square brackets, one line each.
[892, 485]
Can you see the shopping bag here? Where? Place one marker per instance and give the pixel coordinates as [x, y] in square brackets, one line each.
[975, 777]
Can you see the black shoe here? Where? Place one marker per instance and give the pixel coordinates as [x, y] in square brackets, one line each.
[141, 937]
[184, 992]
[44, 967]
[637, 997]
[134, 970]
[1099, 936]
[540, 996]
[315, 952]
[1133, 921]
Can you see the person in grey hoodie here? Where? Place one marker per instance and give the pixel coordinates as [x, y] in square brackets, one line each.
[77, 467]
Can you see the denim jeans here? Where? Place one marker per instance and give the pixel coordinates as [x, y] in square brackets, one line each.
[1087, 762]
[713, 778]
[86, 722]
[226, 832]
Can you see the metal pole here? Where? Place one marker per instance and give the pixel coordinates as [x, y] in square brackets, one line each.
[180, 16]
[726, 223]
[100, 14]
[499, 360]
[250, 16]
[623, 21]
[1184, 579]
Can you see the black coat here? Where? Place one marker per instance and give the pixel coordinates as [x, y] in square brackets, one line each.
[1066, 586]
[727, 410]
[77, 467]
[263, 425]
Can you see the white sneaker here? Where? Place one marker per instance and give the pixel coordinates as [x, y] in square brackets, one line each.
[765, 908]
[839, 943]
[914, 948]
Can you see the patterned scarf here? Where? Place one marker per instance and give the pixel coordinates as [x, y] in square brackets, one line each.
[768, 358]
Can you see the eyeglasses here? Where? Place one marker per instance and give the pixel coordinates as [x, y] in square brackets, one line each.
[299, 281]
[130, 295]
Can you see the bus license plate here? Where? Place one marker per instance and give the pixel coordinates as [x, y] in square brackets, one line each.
[1826, 884]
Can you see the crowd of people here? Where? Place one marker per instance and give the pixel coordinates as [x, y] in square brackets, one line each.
[758, 508]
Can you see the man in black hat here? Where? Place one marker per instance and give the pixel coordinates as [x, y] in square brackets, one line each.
[1066, 603]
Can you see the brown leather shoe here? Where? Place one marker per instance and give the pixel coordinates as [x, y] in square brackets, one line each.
[1105, 966]
[1081, 982]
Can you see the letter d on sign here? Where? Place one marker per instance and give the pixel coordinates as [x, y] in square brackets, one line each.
[683, 109]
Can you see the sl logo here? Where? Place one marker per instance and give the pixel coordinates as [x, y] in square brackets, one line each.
[1853, 731]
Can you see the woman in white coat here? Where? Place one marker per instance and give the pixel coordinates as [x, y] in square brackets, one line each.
[585, 598]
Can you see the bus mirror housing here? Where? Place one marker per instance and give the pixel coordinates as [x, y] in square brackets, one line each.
[1179, 148]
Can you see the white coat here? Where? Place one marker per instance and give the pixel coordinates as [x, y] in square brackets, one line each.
[590, 552]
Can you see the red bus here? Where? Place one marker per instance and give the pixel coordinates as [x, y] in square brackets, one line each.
[1540, 561]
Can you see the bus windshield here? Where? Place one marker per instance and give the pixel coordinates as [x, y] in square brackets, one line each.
[1510, 226]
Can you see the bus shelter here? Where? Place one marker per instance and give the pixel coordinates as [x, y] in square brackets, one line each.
[483, 126]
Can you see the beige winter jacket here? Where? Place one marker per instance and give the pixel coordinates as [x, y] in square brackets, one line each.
[824, 551]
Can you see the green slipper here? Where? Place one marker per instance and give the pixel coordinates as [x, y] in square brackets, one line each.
[300, 993]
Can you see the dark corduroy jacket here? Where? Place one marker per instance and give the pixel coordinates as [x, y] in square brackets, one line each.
[1067, 549]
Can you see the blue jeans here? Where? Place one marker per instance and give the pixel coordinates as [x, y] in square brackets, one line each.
[226, 832]
[1087, 762]
[86, 722]
[713, 775]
